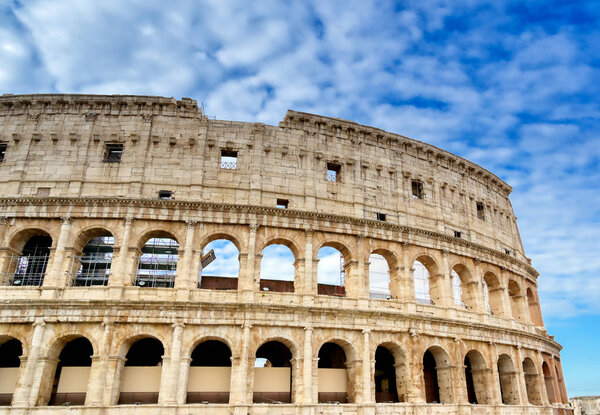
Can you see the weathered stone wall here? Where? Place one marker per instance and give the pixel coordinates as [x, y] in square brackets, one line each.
[58, 142]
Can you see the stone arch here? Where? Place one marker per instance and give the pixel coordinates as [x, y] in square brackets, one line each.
[19, 237]
[532, 384]
[28, 257]
[228, 236]
[509, 385]
[399, 371]
[515, 294]
[94, 247]
[336, 375]
[147, 365]
[223, 272]
[209, 375]
[288, 268]
[67, 350]
[383, 274]
[427, 279]
[492, 294]
[287, 242]
[468, 288]
[123, 346]
[437, 376]
[335, 282]
[207, 337]
[534, 308]
[11, 353]
[478, 378]
[158, 260]
[549, 382]
[274, 381]
[90, 232]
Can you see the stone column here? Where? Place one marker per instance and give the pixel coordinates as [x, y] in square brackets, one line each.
[444, 284]
[416, 385]
[310, 277]
[495, 392]
[170, 372]
[307, 367]
[406, 276]
[297, 380]
[118, 275]
[114, 370]
[25, 394]
[241, 383]
[185, 278]
[476, 288]
[367, 367]
[362, 282]
[97, 379]
[248, 282]
[56, 277]
[182, 380]
[522, 386]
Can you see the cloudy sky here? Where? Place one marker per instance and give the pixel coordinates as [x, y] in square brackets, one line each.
[510, 85]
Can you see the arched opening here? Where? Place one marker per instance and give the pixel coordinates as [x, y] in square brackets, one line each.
[549, 381]
[277, 269]
[561, 385]
[157, 264]
[10, 359]
[422, 289]
[437, 376]
[534, 310]
[93, 267]
[477, 377]
[273, 373]
[514, 292]
[331, 275]
[464, 289]
[532, 384]
[509, 390]
[492, 294]
[72, 373]
[210, 373]
[386, 389]
[140, 380]
[379, 277]
[457, 291]
[220, 266]
[29, 268]
[333, 375]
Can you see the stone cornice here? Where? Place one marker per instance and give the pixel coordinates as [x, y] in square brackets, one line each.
[209, 206]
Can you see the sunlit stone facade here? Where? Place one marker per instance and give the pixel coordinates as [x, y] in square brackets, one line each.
[108, 202]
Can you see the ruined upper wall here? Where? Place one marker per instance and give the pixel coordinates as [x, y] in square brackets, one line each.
[56, 145]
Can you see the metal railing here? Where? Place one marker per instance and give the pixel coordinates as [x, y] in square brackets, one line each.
[90, 270]
[156, 271]
[26, 270]
[229, 165]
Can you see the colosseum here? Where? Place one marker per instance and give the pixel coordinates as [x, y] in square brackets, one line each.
[361, 272]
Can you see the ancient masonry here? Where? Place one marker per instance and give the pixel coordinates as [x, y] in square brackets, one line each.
[107, 204]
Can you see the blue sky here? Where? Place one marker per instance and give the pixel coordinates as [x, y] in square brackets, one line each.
[510, 85]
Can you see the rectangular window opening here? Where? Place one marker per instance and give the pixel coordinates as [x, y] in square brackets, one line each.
[113, 153]
[165, 194]
[457, 234]
[417, 189]
[507, 251]
[381, 217]
[480, 211]
[2, 151]
[333, 172]
[43, 192]
[282, 203]
[229, 159]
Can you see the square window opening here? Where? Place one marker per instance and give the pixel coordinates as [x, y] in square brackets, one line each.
[417, 189]
[507, 251]
[229, 159]
[43, 192]
[2, 151]
[282, 203]
[381, 217]
[113, 153]
[333, 172]
[480, 211]
[165, 194]
[457, 234]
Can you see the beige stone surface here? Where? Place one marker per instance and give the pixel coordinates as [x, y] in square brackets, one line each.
[54, 181]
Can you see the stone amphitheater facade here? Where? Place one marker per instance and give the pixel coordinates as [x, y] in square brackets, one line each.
[80, 167]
